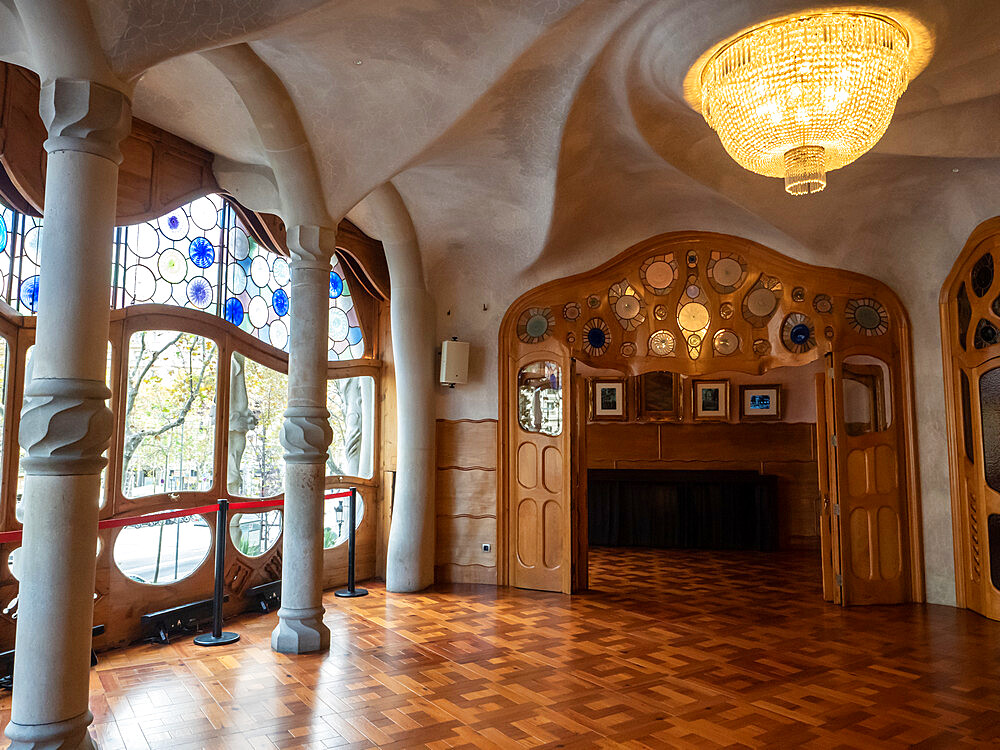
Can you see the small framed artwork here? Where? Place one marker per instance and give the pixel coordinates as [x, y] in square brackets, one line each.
[711, 399]
[659, 395]
[607, 399]
[760, 402]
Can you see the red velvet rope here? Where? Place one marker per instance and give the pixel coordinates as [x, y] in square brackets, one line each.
[116, 523]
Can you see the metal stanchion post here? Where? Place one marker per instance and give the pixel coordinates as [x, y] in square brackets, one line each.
[351, 589]
[217, 637]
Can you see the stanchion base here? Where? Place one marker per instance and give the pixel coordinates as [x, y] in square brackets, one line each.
[347, 593]
[207, 639]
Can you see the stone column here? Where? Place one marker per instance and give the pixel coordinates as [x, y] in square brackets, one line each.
[305, 436]
[65, 422]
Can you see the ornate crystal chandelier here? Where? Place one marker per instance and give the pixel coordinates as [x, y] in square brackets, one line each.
[799, 97]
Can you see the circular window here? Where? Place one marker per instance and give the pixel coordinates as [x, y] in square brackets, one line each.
[163, 551]
[253, 534]
[335, 519]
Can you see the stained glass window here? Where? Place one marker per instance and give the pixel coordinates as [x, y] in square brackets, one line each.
[200, 256]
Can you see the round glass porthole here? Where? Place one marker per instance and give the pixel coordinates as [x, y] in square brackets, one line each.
[253, 534]
[336, 517]
[163, 551]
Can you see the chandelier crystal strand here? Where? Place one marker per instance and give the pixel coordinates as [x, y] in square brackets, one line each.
[800, 97]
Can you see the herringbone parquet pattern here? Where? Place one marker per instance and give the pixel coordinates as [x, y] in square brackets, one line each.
[669, 649]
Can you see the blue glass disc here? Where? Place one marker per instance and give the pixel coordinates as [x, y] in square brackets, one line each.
[799, 333]
[336, 285]
[279, 301]
[354, 335]
[596, 338]
[199, 292]
[173, 222]
[28, 292]
[234, 311]
[201, 252]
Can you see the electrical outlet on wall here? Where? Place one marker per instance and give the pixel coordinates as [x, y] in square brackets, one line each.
[486, 547]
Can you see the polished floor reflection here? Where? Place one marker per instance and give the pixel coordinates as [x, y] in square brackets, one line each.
[669, 649]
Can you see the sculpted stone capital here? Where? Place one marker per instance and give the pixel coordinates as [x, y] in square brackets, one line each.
[311, 246]
[84, 116]
[306, 434]
[65, 426]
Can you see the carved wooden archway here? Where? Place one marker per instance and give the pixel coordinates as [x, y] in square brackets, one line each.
[970, 338]
[694, 303]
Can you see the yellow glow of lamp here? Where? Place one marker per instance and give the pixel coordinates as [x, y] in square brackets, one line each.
[798, 97]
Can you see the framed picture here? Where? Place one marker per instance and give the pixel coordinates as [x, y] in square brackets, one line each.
[659, 395]
[607, 399]
[711, 399]
[760, 402]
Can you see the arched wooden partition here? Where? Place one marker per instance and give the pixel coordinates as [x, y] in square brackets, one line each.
[694, 303]
[970, 337]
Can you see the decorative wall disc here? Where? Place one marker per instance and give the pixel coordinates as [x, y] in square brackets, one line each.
[593, 301]
[828, 332]
[725, 342]
[798, 334]
[628, 349]
[981, 278]
[867, 316]
[691, 258]
[660, 312]
[535, 324]
[596, 337]
[726, 310]
[726, 272]
[761, 301]
[626, 304]
[572, 311]
[986, 334]
[661, 344]
[693, 316]
[570, 338]
[658, 273]
[761, 347]
[798, 294]
[823, 304]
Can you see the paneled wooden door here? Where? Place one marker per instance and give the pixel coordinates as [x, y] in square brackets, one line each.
[867, 510]
[539, 479]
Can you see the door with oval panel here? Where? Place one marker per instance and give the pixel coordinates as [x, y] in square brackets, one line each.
[539, 507]
[868, 496]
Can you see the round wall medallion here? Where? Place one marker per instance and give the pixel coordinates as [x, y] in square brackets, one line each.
[593, 301]
[660, 312]
[596, 337]
[726, 272]
[694, 340]
[661, 344]
[535, 324]
[823, 304]
[692, 291]
[798, 294]
[658, 273]
[761, 302]
[692, 258]
[867, 316]
[626, 305]
[798, 334]
[628, 349]
[828, 332]
[726, 310]
[725, 342]
[572, 311]
[693, 316]
[570, 338]
[761, 347]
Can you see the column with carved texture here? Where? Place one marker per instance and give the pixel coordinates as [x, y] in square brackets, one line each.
[65, 422]
[305, 436]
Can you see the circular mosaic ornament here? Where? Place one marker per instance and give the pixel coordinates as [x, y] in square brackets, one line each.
[693, 316]
[626, 305]
[660, 312]
[171, 265]
[201, 252]
[204, 213]
[237, 278]
[239, 244]
[725, 342]
[234, 311]
[279, 269]
[174, 225]
[28, 293]
[340, 326]
[692, 291]
[761, 302]
[828, 332]
[823, 304]
[199, 292]
[694, 340]
[535, 324]
[593, 301]
[336, 285]
[761, 347]
[798, 294]
[277, 333]
[260, 272]
[692, 258]
[661, 343]
[867, 316]
[726, 272]
[279, 301]
[596, 337]
[628, 349]
[570, 338]
[658, 273]
[798, 334]
[140, 283]
[726, 310]
[572, 311]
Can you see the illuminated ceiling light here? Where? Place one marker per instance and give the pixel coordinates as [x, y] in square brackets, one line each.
[801, 96]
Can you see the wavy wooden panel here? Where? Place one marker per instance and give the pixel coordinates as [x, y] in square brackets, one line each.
[468, 492]
[465, 443]
[460, 541]
[466, 574]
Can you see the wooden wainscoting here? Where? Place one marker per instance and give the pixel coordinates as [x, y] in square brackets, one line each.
[466, 500]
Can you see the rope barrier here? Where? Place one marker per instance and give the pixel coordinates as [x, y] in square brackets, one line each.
[117, 523]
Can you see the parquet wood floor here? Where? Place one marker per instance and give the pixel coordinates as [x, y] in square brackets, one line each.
[670, 649]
